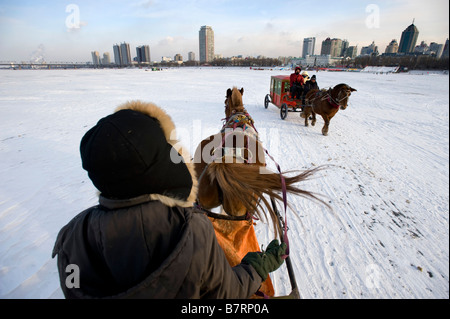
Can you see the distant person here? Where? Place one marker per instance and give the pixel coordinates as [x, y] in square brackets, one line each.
[144, 239]
[310, 85]
[296, 83]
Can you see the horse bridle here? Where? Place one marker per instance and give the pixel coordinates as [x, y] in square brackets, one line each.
[334, 102]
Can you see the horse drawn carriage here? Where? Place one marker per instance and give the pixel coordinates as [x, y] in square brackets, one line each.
[280, 96]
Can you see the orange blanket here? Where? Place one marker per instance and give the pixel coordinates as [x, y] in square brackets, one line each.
[237, 238]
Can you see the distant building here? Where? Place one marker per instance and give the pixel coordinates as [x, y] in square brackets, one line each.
[370, 50]
[409, 39]
[125, 53]
[318, 60]
[206, 44]
[446, 49]
[95, 58]
[191, 56]
[178, 58]
[336, 47]
[422, 48]
[106, 59]
[326, 47]
[308, 46]
[436, 49]
[351, 52]
[345, 46]
[117, 54]
[392, 47]
[143, 54]
[332, 47]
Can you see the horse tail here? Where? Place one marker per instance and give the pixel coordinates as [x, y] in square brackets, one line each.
[247, 184]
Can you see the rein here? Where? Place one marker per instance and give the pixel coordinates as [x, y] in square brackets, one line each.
[229, 120]
[221, 216]
[333, 102]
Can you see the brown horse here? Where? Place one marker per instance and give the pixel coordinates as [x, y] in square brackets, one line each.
[231, 168]
[231, 172]
[326, 103]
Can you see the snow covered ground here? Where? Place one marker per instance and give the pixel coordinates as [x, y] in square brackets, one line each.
[388, 179]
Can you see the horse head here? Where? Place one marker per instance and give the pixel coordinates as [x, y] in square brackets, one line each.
[341, 93]
[233, 101]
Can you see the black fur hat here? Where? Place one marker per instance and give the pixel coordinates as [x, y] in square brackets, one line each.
[129, 153]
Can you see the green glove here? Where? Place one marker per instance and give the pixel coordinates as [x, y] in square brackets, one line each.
[266, 261]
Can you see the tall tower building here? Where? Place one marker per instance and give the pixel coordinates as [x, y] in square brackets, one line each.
[95, 58]
[308, 46]
[125, 53]
[106, 59]
[117, 54]
[326, 47]
[336, 47]
[143, 54]
[409, 39]
[445, 52]
[392, 47]
[206, 44]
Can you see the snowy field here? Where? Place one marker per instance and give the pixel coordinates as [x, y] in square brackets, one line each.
[388, 180]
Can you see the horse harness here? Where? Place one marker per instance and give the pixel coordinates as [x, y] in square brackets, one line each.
[327, 96]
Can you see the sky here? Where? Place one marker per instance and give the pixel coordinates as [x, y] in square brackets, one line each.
[70, 30]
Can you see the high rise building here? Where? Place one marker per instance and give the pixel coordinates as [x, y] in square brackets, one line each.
[409, 39]
[326, 47]
[95, 58]
[191, 56]
[445, 52]
[345, 46]
[333, 47]
[143, 54]
[351, 52]
[392, 47]
[308, 46]
[370, 50]
[125, 53]
[436, 49]
[106, 59]
[206, 44]
[336, 47]
[117, 54]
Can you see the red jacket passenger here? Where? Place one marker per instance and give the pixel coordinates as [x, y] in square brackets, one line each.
[297, 78]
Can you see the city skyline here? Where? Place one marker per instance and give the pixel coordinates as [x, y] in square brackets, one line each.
[62, 32]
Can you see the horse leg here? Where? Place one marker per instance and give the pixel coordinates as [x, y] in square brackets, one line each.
[313, 122]
[305, 114]
[325, 127]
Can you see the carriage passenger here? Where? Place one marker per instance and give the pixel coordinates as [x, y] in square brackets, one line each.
[296, 83]
[310, 85]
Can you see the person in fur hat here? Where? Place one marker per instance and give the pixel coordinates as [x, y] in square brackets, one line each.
[311, 84]
[144, 239]
[296, 83]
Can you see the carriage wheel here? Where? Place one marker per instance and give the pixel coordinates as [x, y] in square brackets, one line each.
[266, 101]
[283, 111]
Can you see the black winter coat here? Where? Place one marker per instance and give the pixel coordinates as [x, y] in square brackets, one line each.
[141, 248]
[309, 85]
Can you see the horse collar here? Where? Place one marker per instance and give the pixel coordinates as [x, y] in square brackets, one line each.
[333, 103]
